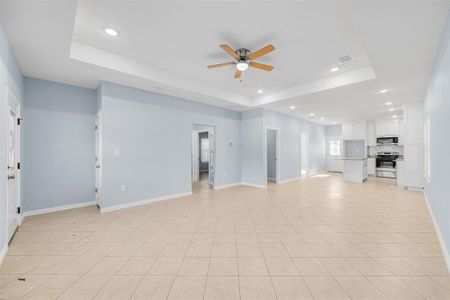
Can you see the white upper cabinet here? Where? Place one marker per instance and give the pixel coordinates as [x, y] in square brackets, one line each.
[389, 127]
[356, 130]
[371, 138]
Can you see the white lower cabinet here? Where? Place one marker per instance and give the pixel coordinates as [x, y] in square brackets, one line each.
[371, 166]
[400, 173]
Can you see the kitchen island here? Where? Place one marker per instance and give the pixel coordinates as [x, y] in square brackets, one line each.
[355, 169]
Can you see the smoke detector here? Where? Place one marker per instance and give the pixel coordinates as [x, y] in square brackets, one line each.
[345, 59]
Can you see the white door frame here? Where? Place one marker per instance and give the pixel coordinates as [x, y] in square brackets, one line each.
[304, 136]
[277, 154]
[195, 163]
[195, 153]
[10, 96]
[98, 159]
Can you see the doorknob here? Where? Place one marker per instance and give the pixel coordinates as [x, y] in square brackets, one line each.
[11, 177]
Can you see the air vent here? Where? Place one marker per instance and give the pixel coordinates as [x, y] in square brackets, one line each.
[345, 59]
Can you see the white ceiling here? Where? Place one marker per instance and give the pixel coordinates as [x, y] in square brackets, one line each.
[168, 44]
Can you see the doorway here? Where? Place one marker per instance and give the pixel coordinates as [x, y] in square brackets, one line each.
[272, 155]
[13, 164]
[334, 152]
[98, 159]
[304, 154]
[203, 157]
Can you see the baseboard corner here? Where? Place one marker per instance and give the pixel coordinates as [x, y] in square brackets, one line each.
[3, 252]
[444, 249]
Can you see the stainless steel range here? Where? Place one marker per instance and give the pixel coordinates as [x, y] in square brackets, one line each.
[386, 164]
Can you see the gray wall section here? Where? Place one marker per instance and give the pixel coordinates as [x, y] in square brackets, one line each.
[437, 110]
[354, 148]
[10, 77]
[204, 166]
[153, 164]
[271, 154]
[333, 130]
[59, 144]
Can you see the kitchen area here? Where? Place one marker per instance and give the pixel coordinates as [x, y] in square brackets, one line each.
[390, 147]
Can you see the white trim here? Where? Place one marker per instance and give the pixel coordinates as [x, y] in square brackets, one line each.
[224, 186]
[143, 202]
[3, 252]
[290, 179]
[254, 185]
[444, 249]
[58, 208]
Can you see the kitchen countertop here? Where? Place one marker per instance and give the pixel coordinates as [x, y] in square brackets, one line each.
[352, 158]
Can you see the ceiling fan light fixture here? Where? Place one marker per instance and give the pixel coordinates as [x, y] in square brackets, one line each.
[242, 66]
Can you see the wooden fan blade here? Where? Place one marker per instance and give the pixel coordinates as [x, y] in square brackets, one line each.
[237, 74]
[261, 52]
[230, 51]
[260, 66]
[220, 65]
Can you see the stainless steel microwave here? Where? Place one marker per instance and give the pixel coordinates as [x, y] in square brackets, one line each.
[387, 140]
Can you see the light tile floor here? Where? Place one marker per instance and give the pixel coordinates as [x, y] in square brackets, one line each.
[313, 238]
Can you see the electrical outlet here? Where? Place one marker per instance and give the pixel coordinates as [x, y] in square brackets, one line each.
[123, 188]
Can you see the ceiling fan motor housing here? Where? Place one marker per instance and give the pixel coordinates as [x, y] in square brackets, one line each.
[243, 53]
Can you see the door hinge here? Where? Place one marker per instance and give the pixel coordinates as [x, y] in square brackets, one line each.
[96, 190]
[19, 120]
[18, 209]
[96, 127]
[18, 166]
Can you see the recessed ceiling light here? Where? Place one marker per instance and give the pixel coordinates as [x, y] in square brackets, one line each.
[322, 118]
[388, 103]
[259, 91]
[292, 107]
[110, 31]
[391, 109]
[383, 91]
[242, 66]
[334, 123]
[334, 69]
[311, 114]
[394, 116]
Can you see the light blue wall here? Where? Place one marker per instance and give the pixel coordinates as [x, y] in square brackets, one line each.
[59, 144]
[153, 164]
[290, 130]
[271, 154]
[333, 130]
[10, 77]
[252, 139]
[437, 109]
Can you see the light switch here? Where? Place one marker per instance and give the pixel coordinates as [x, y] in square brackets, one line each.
[117, 152]
[123, 188]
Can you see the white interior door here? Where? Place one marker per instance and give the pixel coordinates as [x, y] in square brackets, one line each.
[304, 154]
[195, 165]
[12, 159]
[212, 155]
[334, 152]
[98, 159]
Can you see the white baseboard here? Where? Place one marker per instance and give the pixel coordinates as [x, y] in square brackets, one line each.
[58, 208]
[253, 185]
[290, 179]
[143, 202]
[224, 186]
[3, 252]
[444, 249]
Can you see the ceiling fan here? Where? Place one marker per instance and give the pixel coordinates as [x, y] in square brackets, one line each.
[244, 59]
